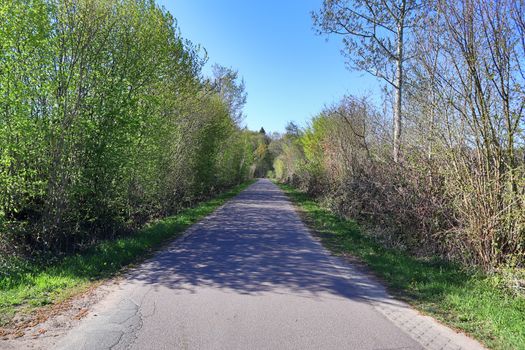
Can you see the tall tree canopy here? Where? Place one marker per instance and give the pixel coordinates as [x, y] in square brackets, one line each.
[106, 121]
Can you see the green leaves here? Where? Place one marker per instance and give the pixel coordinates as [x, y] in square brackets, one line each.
[105, 122]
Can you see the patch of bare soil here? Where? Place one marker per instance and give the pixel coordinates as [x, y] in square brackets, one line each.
[44, 326]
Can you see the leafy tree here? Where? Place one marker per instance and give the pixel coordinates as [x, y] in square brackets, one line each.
[106, 122]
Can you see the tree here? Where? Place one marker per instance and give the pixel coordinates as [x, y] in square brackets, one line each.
[376, 34]
[232, 91]
[480, 84]
[106, 122]
[292, 129]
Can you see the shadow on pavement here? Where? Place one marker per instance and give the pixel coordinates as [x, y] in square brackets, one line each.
[255, 244]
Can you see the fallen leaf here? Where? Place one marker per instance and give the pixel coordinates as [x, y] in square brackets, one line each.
[19, 334]
[81, 314]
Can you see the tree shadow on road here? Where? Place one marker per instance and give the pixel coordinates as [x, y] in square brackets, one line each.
[253, 245]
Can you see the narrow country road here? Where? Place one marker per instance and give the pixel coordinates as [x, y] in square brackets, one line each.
[250, 276]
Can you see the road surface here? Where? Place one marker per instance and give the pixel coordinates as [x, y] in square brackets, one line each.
[250, 276]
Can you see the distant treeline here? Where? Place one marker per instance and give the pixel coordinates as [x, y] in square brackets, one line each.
[452, 182]
[107, 122]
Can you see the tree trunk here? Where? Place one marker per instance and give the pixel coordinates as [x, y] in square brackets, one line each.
[398, 97]
[398, 84]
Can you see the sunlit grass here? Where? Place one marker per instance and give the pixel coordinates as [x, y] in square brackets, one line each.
[29, 286]
[471, 301]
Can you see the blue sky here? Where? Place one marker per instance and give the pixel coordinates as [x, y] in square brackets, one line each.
[290, 72]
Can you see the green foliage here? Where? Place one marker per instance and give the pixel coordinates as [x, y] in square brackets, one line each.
[289, 156]
[106, 122]
[260, 158]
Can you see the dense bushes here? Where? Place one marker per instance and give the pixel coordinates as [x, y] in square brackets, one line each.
[106, 122]
[458, 188]
[415, 204]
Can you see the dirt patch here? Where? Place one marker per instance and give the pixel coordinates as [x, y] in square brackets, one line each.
[44, 326]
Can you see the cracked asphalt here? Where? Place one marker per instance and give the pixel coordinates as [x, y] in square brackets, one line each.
[250, 276]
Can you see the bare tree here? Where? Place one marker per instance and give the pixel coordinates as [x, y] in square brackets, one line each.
[231, 90]
[375, 33]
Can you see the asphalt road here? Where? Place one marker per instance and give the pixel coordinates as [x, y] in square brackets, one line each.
[250, 276]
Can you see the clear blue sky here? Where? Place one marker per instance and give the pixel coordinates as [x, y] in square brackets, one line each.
[290, 72]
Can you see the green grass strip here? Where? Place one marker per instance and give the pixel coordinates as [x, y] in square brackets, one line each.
[37, 286]
[471, 301]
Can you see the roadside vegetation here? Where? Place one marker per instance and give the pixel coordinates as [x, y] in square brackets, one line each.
[33, 284]
[470, 300]
[107, 124]
[443, 172]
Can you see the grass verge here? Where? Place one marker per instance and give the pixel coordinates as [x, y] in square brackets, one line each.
[37, 286]
[471, 301]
